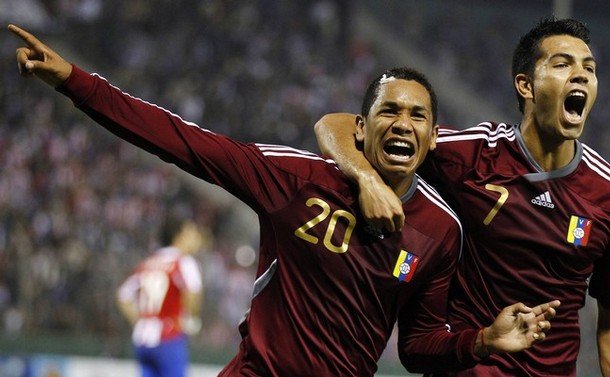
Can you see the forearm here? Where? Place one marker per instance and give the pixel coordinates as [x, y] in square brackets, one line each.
[191, 321]
[192, 303]
[424, 342]
[145, 125]
[335, 134]
[440, 351]
[378, 202]
[129, 311]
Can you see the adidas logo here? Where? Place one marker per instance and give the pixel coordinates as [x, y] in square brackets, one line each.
[544, 200]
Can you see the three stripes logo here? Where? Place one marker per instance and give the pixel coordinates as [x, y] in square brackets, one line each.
[544, 200]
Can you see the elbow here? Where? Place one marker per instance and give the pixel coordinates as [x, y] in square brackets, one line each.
[319, 130]
[320, 125]
[322, 122]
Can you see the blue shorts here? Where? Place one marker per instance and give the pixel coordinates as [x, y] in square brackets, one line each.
[168, 359]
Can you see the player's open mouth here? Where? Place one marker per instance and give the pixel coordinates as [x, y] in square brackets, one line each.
[574, 105]
[399, 149]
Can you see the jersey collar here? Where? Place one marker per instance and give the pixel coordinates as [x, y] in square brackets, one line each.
[407, 195]
[540, 174]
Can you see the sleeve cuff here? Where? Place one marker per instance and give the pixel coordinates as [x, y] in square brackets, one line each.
[469, 339]
[78, 87]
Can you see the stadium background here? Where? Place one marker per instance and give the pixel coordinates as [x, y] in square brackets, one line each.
[78, 208]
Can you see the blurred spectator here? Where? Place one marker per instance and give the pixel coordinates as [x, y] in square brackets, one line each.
[162, 298]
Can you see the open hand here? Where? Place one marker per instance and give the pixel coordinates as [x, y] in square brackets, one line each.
[518, 327]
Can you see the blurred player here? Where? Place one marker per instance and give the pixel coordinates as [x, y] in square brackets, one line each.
[161, 299]
[328, 290]
[534, 201]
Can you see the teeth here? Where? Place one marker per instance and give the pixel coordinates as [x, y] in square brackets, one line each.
[399, 149]
[397, 143]
[576, 94]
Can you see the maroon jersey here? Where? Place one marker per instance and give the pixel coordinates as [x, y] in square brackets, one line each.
[328, 292]
[530, 236]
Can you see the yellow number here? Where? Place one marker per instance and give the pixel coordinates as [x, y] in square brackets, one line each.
[503, 196]
[301, 232]
[331, 229]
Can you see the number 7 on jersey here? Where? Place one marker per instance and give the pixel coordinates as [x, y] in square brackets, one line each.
[503, 197]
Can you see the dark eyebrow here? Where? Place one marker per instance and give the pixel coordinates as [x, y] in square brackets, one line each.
[391, 104]
[420, 108]
[571, 57]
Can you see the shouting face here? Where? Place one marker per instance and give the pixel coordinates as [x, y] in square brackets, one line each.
[563, 88]
[398, 132]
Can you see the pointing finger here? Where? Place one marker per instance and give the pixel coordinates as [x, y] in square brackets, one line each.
[28, 38]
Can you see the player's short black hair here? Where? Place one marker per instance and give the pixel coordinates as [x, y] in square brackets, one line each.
[403, 73]
[528, 50]
[171, 226]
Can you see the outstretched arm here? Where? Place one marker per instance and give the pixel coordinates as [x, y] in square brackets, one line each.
[378, 202]
[603, 338]
[242, 169]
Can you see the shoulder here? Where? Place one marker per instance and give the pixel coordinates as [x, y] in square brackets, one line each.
[486, 133]
[599, 167]
[466, 147]
[445, 219]
[283, 155]
[430, 216]
[302, 164]
[595, 177]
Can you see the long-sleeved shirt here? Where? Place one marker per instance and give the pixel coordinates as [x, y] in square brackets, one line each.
[329, 290]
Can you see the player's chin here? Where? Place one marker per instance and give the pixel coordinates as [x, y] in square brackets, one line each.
[401, 171]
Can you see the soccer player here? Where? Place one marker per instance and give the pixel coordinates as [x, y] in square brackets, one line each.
[328, 290]
[533, 199]
[162, 298]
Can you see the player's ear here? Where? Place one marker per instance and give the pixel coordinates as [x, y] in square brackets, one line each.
[433, 137]
[524, 86]
[360, 129]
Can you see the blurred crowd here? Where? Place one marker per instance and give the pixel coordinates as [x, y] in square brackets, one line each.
[79, 208]
[473, 41]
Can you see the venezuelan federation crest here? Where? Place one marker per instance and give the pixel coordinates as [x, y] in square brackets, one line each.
[405, 267]
[579, 230]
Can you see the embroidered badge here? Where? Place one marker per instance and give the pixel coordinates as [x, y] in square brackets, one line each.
[405, 267]
[579, 230]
